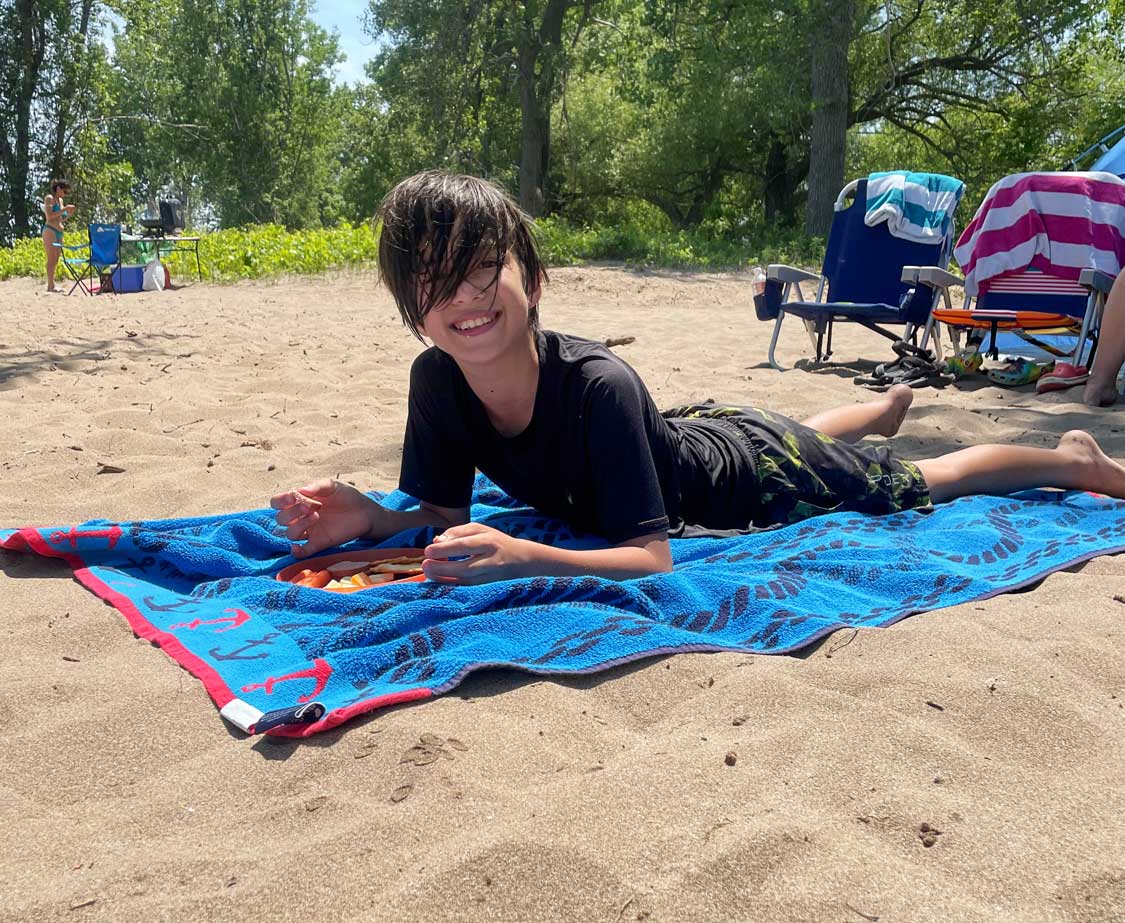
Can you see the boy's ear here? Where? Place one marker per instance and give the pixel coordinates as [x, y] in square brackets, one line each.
[535, 290]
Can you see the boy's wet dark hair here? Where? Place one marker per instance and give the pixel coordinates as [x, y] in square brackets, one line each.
[437, 227]
[57, 184]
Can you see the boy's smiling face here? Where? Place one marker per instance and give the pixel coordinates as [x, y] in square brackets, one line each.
[486, 316]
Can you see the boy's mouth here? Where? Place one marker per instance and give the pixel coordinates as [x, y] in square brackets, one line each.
[474, 326]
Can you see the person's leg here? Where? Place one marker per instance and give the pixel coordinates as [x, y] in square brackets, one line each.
[1101, 386]
[1077, 463]
[850, 423]
[52, 254]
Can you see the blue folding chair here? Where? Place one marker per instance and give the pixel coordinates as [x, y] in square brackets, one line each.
[870, 278]
[102, 254]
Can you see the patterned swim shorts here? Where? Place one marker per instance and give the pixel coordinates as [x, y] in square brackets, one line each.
[802, 472]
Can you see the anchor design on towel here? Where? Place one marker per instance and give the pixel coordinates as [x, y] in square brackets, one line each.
[321, 670]
[240, 617]
[113, 533]
[154, 606]
[238, 652]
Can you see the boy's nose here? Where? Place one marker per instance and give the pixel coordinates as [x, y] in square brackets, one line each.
[466, 293]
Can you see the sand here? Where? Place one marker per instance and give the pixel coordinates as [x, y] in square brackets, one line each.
[994, 731]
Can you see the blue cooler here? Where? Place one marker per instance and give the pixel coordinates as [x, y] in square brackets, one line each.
[128, 278]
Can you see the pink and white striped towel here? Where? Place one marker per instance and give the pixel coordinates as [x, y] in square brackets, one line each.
[1059, 223]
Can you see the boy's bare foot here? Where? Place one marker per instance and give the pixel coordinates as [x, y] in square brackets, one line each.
[1097, 395]
[1106, 476]
[897, 400]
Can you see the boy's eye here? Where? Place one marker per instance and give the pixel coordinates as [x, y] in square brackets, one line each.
[483, 274]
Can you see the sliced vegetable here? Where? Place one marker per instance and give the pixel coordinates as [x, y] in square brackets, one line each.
[316, 579]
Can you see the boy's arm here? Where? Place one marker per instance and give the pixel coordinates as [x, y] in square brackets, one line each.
[489, 555]
[638, 557]
[385, 522]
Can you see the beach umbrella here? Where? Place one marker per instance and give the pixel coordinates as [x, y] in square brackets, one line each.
[1113, 160]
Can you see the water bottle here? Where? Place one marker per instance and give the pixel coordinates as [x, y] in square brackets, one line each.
[758, 288]
[758, 281]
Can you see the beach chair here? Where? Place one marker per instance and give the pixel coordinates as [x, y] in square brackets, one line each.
[1039, 256]
[867, 278]
[101, 254]
[1029, 315]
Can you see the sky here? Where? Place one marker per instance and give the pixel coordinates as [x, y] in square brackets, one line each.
[346, 17]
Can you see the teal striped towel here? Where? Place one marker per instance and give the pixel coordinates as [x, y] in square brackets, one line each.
[916, 206]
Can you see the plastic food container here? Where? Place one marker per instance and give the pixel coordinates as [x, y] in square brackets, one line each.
[371, 556]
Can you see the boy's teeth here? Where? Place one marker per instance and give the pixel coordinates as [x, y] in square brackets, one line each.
[476, 322]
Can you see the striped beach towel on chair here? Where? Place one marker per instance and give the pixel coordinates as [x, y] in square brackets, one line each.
[1057, 223]
[915, 206]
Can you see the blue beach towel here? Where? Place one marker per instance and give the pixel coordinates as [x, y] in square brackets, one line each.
[916, 206]
[294, 660]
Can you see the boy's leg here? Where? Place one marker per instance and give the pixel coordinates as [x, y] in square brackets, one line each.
[1077, 463]
[850, 423]
[1101, 386]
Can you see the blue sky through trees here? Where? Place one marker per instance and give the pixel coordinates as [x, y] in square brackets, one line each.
[346, 17]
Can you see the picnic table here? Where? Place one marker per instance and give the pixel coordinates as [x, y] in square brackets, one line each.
[147, 247]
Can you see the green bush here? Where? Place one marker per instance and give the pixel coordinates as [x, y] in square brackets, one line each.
[235, 253]
[268, 249]
[24, 259]
[646, 243]
[639, 239]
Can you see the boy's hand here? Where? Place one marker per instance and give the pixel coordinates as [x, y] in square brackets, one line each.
[324, 514]
[489, 555]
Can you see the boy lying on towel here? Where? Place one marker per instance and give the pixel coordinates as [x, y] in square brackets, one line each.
[565, 426]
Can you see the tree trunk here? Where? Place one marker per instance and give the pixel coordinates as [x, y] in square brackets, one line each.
[830, 100]
[68, 89]
[779, 194]
[537, 67]
[18, 156]
[535, 127]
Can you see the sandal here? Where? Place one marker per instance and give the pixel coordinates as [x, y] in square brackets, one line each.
[885, 374]
[909, 356]
[1064, 375]
[964, 362]
[1019, 372]
[913, 371]
[904, 349]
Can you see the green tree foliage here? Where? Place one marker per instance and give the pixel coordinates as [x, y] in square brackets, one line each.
[1027, 106]
[47, 58]
[477, 81]
[706, 126]
[256, 76]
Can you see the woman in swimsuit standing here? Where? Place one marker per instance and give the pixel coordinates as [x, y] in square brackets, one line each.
[55, 213]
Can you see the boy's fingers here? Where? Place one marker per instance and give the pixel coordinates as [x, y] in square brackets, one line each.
[455, 547]
[299, 528]
[318, 489]
[312, 545]
[283, 501]
[436, 569]
[310, 493]
[303, 551]
[290, 514]
[466, 528]
[300, 506]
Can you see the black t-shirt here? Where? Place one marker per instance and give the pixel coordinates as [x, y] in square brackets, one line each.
[596, 454]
